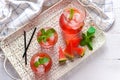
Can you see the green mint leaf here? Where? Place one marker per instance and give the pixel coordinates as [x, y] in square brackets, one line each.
[45, 34]
[88, 38]
[37, 63]
[83, 42]
[43, 60]
[41, 38]
[44, 39]
[42, 31]
[50, 32]
[91, 31]
[89, 44]
[71, 13]
[49, 35]
[91, 38]
[83, 36]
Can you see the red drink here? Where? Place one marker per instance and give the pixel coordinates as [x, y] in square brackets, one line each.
[41, 63]
[71, 22]
[47, 37]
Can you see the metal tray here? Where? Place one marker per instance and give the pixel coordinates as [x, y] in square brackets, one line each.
[13, 45]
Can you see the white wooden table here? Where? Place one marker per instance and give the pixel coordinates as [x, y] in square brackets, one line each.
[103, 65]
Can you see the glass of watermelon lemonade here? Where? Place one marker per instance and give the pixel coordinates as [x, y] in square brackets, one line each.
[47, 37]
[40, 63]
[71, 22]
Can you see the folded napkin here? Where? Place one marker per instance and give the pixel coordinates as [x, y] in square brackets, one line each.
[15, 13]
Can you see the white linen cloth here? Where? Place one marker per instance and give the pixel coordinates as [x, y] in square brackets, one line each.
[15, 13]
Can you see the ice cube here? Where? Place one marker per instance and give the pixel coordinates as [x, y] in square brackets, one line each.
[37, 58]
[52, 38]
[46, 63]
[41, 69]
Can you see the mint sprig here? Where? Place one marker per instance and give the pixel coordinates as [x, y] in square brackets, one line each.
[88, 38]
[41, 61]
[36, 64]
[71, 13]
[45, 34]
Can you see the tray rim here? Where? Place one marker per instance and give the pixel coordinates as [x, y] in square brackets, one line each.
[22, 27]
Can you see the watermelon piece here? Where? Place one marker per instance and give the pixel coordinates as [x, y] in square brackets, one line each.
[68, 51]
[80, 51]
[75, 42]
[62, 57]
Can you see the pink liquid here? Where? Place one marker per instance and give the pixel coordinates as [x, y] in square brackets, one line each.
[72, 28]
[50, 42]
